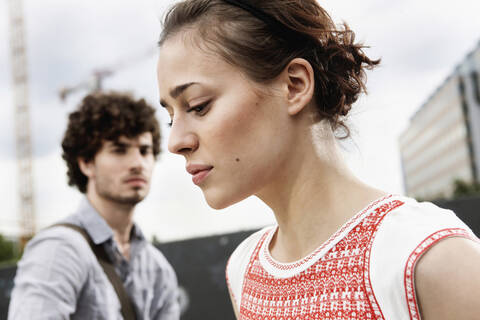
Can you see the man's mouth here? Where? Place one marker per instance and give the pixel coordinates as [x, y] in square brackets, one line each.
[136, 181]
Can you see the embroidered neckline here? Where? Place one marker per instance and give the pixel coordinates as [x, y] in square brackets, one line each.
[288, 269]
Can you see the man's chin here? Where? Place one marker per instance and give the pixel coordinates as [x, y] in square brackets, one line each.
[129, 200]
[135, 199]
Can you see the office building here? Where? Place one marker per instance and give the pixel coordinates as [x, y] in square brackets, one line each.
[442, 141]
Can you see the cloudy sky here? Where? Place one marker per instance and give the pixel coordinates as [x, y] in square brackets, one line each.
[420, 43]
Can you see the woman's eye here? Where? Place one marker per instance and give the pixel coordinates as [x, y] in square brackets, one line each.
[199, 109]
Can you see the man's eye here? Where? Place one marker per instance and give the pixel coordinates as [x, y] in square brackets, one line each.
[119, 150]
[146, 150]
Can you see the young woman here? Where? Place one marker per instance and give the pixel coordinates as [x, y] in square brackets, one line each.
[258, 92]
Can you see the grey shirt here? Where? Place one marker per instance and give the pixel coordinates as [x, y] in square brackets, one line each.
[59, 277]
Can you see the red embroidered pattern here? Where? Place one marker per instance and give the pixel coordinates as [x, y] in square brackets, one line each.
[287, 266]
[412, 261]
[336, 287]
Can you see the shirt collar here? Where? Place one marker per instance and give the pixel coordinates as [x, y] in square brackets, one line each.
[97, 228]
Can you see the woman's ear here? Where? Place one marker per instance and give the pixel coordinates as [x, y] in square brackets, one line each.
[300, 84]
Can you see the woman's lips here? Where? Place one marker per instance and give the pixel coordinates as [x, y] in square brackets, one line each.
[200, 176]
[199, 172]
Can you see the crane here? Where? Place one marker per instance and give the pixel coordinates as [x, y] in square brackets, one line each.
[20, 88]
[95, 81]
[19, 76]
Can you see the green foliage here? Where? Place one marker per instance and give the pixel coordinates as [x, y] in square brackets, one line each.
[464, 189]
[8, 250]
[420, 199]
[155, 240]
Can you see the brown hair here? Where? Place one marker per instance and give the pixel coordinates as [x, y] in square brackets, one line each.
[101, 117]
[262, 52]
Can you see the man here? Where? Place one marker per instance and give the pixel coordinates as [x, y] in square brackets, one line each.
[110, 148]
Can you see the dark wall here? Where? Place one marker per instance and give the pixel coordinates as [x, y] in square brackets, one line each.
[6, 285]
[200, 266]
[467, 209]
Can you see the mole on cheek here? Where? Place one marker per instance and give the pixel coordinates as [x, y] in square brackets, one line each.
[237, 159]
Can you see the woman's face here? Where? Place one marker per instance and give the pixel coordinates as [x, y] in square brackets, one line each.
[233, 134]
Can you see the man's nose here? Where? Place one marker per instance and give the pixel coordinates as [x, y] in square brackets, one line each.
[137, 158]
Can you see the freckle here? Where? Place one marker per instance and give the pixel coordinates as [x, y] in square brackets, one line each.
[237, 159]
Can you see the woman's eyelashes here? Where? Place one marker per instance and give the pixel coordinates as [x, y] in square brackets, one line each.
[199, 110]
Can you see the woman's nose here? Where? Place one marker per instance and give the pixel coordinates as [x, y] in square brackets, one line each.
[182, 141]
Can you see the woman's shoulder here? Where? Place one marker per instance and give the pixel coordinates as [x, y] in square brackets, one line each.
[418, 217]
[450, 270]
[436, 252]
[401, 239]
[410, 230]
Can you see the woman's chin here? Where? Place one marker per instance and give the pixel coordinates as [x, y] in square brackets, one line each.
[218, 204]
[220, 200]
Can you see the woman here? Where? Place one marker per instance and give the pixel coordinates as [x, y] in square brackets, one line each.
[258, 92]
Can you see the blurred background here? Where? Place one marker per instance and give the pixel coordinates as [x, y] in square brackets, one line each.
[417, 132]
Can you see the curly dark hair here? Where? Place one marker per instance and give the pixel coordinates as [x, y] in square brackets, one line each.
[101, 117]
[262, 52]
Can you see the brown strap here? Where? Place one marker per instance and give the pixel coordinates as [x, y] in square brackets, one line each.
[127, 310]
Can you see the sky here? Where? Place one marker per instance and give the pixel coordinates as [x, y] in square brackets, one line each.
[419, 42]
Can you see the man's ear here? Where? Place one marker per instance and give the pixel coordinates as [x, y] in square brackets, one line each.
[300, 84]
[86, 167]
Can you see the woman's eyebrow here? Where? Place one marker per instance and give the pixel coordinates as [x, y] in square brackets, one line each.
[175, 92]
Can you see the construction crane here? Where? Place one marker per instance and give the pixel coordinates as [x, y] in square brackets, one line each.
[95, 82]
[19, 76]
[19, 73]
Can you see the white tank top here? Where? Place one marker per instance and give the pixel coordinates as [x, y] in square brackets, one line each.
[363, 271]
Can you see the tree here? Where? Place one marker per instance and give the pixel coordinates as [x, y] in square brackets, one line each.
[155, 241]
[463, 188]
[7, 250]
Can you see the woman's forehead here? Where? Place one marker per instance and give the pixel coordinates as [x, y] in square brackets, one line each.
[188, 48]
[182, 62]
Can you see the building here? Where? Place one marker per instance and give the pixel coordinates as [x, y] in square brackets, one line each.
[442, 141]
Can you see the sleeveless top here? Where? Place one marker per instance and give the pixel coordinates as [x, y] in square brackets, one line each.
[365, 270]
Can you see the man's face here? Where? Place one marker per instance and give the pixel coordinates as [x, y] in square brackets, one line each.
[121, 170]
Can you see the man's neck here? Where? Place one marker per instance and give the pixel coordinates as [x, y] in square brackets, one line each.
[118, 216]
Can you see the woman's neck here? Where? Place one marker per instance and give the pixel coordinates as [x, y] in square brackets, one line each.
[315, 197]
